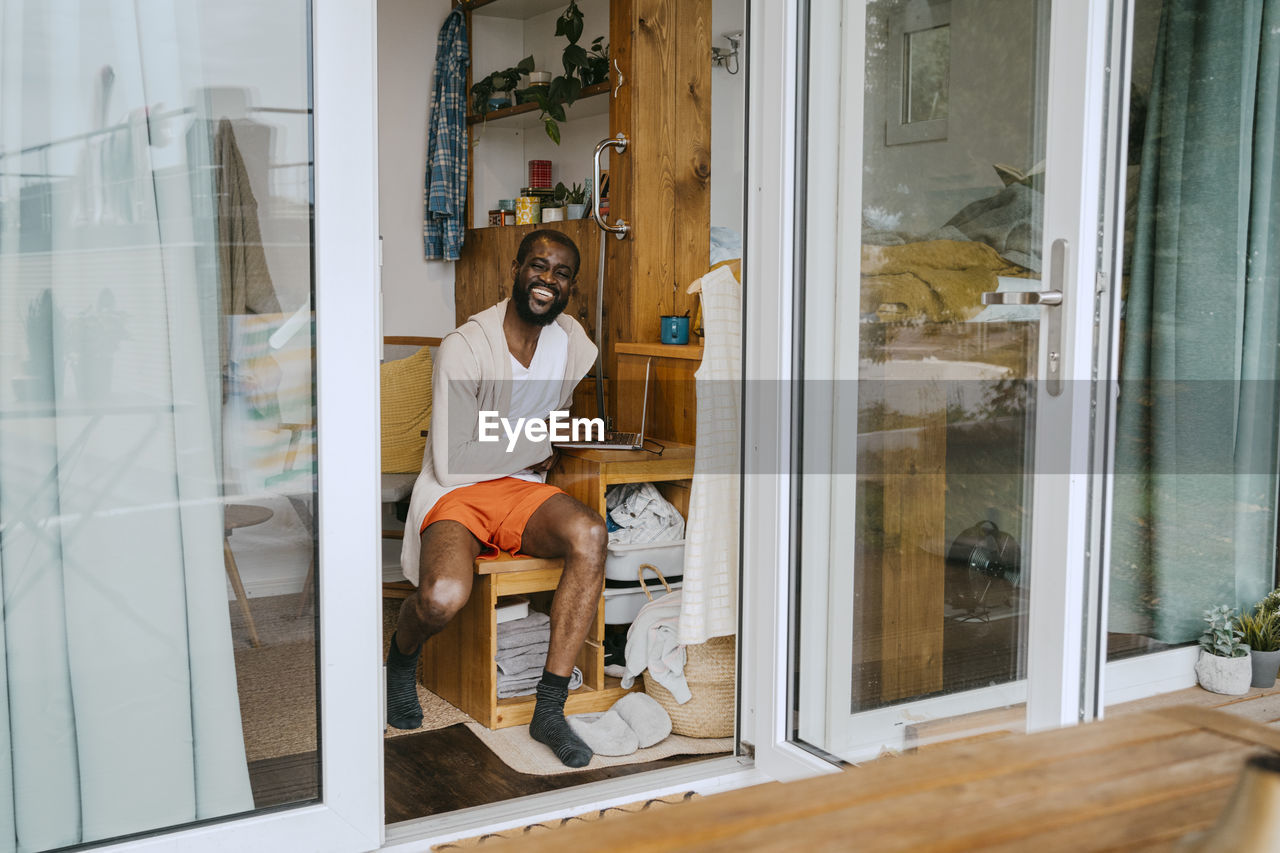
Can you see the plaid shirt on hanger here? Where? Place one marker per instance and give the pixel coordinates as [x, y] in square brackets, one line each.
[446, 182]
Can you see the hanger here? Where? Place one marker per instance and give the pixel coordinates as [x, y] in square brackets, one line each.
[733, 265]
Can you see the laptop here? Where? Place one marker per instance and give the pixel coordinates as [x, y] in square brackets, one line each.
[621, 440]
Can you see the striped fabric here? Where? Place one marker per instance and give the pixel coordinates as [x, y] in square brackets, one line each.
[446, 184]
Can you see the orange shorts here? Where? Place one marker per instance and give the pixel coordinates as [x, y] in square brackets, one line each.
[495, 511]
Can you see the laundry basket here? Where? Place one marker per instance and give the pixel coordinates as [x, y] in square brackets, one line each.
[709, 669]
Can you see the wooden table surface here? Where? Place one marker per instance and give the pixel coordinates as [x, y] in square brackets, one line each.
[1134, 782]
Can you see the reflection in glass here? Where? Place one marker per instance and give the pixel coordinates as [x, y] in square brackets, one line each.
[929, 596]
[927, 63]
[940, 592]
[156, 411]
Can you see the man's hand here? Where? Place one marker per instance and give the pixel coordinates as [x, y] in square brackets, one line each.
[547, 464]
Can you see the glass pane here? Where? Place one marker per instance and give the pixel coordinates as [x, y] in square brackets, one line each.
[1194, 523]
[928, 66]
[925, 563]
[157, 474]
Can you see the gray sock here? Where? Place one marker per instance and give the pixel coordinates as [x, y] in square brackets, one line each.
[549, 725]
[403, 708]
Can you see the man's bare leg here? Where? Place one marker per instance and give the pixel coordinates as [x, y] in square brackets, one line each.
[564, 527]
[445, 569]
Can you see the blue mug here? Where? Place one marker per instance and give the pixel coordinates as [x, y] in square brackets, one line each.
[675, 330]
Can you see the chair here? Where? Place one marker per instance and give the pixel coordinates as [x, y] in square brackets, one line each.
[405, 416]
[406, 411]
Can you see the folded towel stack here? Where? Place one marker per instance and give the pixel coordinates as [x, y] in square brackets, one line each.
[522, 654]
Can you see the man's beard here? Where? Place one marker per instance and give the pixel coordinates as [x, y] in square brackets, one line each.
[520, 296]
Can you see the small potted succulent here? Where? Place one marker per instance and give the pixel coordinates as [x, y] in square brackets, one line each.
[553, 209]
[1261, 632]
[1223, 666]
[575, 200]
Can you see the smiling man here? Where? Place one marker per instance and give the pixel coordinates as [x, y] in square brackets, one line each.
[521, 359]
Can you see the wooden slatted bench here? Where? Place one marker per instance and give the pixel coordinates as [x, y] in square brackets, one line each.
[458, 663]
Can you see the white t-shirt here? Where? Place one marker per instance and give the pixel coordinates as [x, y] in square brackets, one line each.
[535, 390]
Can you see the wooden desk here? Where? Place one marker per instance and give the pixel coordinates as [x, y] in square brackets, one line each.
[587, 474]
[458, 663]
[1139, 781]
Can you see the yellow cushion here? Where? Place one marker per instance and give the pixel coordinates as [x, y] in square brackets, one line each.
[406, 412]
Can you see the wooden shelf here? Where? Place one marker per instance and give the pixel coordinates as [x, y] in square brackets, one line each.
[693, 352]
[518, 9]
[589, 103]
[518, 710]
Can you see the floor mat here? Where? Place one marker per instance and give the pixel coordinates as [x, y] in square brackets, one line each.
[523, 754]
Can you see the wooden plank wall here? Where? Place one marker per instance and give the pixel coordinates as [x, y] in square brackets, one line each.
[483, 276]
[662, 184]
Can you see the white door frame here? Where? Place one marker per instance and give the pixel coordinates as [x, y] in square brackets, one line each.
[1058, 652]
[769, 269]
[349, 818]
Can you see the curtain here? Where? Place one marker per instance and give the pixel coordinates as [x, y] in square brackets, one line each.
[118, 703]
[1195, 491]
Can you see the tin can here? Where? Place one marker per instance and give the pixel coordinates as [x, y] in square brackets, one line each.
[528, 210]
[540, 174]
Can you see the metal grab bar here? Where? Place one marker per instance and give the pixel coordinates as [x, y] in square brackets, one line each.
[621, 228]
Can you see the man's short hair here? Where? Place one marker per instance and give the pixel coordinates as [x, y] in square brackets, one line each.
[553, 236]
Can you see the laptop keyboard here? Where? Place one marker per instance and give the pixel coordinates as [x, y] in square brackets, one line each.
[627, 438]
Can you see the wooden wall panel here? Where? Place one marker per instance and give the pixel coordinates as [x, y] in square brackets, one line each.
[661, 185]
[482, 276]
[692, 219]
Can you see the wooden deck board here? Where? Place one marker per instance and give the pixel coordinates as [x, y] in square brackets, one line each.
[1136, 780]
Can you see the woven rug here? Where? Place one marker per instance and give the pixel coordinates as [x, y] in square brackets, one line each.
[587, 817]
[277, 683]
[277, 680]
[523, 754]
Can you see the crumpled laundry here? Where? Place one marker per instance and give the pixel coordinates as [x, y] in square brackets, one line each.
[653, 644]
[642, 514]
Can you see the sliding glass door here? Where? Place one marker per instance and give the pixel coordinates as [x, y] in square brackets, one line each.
[945, 304]
[177, 321]
[1194, 505]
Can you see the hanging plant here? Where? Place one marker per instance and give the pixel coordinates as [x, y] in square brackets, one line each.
[581, 68]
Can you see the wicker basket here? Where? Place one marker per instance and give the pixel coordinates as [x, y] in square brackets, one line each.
[709, 669]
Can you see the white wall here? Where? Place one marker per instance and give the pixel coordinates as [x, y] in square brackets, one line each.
[417, 295]
[728, 118]
[502, 153]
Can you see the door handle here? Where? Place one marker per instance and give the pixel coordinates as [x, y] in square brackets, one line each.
[1042, 297]
[621, 228]
[1051, 298]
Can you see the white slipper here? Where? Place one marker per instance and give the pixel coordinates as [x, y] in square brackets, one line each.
[644, 716]
[608, 734]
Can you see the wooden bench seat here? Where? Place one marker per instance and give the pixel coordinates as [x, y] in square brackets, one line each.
[458, 663]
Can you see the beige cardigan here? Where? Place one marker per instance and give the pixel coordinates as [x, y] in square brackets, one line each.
[472, 372]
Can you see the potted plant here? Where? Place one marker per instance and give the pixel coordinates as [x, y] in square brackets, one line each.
[575, 200]
[552, 211]
[1261, 632]
[495, 90]
[582, 67]
[1224, 665]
